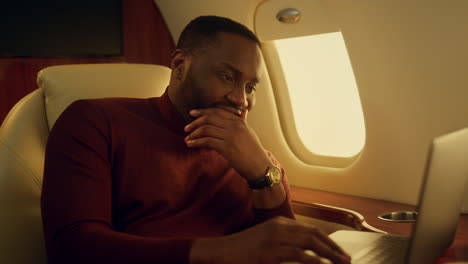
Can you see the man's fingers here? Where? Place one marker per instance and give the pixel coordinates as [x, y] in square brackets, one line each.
[306, 236]
[215, 111]
[323, 260]
[306, 240]
[213, 120]
[332, 244]
[206, 142]
[324, 250]
[328, 248]
[213, 116]
[207, 131]
[329, 242]
[313, 231]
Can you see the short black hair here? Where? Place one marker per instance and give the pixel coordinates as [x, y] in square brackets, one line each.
[204, 29]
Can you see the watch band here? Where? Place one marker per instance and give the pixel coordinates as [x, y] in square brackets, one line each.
[272, 177]
[261, 183]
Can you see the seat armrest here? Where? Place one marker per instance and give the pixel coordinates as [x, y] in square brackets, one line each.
[331, 218]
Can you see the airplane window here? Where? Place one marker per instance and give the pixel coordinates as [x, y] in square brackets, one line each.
[323, 92]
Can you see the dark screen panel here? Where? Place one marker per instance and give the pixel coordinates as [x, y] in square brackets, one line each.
[61, 28]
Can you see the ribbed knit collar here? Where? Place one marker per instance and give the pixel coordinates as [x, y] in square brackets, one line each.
[170, 114]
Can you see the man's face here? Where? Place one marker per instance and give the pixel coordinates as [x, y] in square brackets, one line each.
[224, 75]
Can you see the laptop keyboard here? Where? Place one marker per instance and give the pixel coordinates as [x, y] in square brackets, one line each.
[386, 249]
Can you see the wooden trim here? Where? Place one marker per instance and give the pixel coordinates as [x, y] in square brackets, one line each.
[334, 214]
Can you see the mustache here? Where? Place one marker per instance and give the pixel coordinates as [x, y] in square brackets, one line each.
[236, 108]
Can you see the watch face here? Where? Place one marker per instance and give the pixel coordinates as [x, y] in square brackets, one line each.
[275, 174]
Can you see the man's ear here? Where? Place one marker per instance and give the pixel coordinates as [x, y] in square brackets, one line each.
[178, 60]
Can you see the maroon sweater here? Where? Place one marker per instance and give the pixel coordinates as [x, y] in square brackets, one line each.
[120, 186]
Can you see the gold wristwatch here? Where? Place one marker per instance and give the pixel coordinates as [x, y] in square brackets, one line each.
[272, 177]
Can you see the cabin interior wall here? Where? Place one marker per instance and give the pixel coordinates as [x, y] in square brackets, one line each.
[146, 39]
[409, 59]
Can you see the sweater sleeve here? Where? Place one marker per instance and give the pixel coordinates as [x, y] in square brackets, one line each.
[284, 209]
[76, 199]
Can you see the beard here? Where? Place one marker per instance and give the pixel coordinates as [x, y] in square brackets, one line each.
[191, 93]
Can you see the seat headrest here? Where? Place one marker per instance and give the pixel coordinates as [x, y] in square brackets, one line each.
[65, 84]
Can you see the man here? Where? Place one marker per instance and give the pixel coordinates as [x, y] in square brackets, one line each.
[176, 179]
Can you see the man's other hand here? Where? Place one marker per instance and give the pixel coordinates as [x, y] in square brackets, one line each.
[272, 242]
[231, 136]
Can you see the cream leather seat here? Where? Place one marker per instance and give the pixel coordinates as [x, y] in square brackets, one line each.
[23, 137]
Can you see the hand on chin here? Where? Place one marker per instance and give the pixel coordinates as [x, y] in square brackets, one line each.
[225, 130]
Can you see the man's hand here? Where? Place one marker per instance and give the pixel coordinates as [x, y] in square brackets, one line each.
[272, 242]
[230, 135]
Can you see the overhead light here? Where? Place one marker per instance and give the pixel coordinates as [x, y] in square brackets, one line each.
[289, 16]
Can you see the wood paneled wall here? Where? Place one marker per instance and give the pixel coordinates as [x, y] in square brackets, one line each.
[146, 39]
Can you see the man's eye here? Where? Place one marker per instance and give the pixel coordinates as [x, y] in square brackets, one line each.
[225, 77]
[251, 89]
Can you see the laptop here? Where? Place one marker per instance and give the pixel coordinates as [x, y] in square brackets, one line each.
[440, 202]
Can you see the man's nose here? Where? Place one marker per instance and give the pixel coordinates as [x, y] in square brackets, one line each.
[238, 96]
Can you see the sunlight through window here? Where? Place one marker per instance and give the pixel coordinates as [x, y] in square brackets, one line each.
[324, 96]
